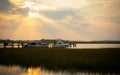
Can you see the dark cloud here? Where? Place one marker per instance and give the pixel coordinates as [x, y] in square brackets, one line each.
[58, 14]
[23, 11]
[5, 5]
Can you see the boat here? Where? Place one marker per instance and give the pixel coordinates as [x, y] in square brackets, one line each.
[60, 44]
[36, 44]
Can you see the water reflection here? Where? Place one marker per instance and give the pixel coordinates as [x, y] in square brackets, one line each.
[77, 46]
[17, 70]
[97, 46]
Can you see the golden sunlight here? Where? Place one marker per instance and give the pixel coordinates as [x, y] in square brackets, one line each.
[28, 4]
[32, 14]
[33, 71]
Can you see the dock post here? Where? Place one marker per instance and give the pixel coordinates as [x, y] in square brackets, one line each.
[70, 45]
[22, 44]
[5, 44]
[12, 45]
[18, 45]
[75, 45]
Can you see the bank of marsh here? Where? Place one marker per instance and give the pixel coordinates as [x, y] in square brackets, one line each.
[61, 58]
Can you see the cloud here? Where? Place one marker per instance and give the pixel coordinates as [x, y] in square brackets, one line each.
[58, 14]
[5, 5]
[10, 7]
[17, 3]
[65, 19]
[6, 20]
[52, 4]
[22, 11]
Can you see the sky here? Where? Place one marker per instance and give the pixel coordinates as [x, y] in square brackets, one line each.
[60, 19]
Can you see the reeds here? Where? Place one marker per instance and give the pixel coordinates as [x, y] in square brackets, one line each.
[61, 58]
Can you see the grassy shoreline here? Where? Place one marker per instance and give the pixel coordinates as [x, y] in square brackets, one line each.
[106, 59]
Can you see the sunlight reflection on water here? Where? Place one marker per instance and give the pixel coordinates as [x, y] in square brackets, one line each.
[17, 70]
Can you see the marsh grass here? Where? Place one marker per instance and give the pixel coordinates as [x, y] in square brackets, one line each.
[61, 58]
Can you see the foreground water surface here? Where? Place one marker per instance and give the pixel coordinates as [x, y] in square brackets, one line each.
[17, 70]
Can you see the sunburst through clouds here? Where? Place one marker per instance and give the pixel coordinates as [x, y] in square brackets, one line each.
[64, 19]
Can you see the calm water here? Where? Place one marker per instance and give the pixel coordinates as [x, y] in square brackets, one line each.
[84, 46]
[15, 45]
[17, 70]
[97, 46]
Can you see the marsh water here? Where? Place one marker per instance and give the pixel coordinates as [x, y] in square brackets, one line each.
[17, 70]
[87, 46]
[81, 46]
[20, 70]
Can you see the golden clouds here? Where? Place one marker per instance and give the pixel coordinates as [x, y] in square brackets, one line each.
[49, 4]
[8, 20]
[16, 26]
[66, 19]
